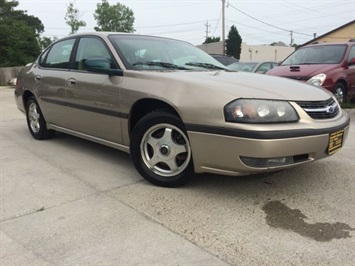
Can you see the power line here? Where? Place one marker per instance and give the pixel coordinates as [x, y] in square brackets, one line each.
[172, 25]
[276, 27]
[219, 18]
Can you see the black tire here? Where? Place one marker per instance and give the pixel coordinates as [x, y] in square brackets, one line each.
[160, 150]
[35, 120]
[340, 93]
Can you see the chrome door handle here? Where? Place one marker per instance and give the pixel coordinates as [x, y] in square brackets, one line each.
[71, 81]
[37, 78]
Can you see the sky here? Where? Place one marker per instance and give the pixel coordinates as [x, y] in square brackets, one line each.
[257, 21]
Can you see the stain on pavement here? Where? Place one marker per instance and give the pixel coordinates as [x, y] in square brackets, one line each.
[278, 215]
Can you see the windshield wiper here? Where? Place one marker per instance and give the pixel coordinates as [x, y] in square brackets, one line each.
[205, 65]
[160, 64]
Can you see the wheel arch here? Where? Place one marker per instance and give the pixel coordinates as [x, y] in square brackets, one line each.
[145, 106]
[27, 94]
[342, 81]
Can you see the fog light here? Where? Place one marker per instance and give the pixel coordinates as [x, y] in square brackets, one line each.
[266, 162]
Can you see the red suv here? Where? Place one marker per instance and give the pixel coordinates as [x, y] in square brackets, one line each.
[330, 65]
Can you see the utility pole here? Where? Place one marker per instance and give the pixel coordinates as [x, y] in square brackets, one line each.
[223, 28]
[207, 31]
[291, 33]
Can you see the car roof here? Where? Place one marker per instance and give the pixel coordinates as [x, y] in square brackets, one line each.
[327, 44]
[100, 33]
[105, 34]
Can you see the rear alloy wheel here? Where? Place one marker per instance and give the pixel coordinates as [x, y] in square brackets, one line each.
[161, 151]
[35, 120]
[340, 92]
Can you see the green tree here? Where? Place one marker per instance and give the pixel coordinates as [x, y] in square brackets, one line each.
[212, 39]
[44, 42]
[7, 12]
[19, 34]
[72, 18]
[234, 43]
[116, 17]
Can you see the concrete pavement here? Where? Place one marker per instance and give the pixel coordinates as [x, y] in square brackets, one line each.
[67, 201]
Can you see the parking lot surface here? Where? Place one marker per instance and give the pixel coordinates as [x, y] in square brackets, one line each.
[67, 201]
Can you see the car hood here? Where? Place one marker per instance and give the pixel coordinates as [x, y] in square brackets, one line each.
[228, 86]
[301, 72]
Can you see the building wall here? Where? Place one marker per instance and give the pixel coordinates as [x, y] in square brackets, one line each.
[252, 52]
[341, 35]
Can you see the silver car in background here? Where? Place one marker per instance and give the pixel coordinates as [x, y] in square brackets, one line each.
[260, 67]
[175, 109]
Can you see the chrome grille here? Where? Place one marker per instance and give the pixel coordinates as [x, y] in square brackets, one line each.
[321, 109]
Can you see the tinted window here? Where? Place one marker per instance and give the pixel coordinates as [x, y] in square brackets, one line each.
[351, 53]
[91, 48]
[59, 55]
[322, 54]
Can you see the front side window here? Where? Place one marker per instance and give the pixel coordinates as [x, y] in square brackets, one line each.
[58, 56]
[89, 48]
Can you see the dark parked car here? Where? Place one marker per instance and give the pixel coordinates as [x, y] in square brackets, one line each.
[175, 109]
[224, 59]
[330, 65]
[255, 67]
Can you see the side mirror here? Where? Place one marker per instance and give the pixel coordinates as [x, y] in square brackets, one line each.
[102, 65]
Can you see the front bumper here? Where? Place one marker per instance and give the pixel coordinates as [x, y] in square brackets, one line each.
[232, 155]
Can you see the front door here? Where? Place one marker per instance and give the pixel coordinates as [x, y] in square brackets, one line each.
[93, 99]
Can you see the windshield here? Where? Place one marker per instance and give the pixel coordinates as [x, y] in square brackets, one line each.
[322, 54]
[155, 53]
[247, 67]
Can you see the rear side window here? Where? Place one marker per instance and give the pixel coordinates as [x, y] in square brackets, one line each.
[263, 68]
[58, 56]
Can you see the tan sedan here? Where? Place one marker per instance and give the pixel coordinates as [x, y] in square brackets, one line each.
[175, 109]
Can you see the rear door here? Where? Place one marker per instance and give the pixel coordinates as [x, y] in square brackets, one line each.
[50, 75]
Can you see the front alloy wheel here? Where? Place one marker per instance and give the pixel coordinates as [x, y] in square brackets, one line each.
[161, 150]
[339, 92]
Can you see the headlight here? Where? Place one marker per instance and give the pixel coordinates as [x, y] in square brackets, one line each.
[317, 80]
[259, 111]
